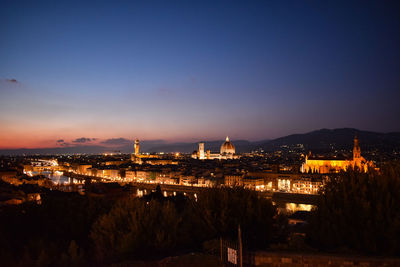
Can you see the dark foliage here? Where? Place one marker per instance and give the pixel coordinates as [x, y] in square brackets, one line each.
[156, 226]
[71, 229]
[222, 210]
[359, 212]
[49, 234]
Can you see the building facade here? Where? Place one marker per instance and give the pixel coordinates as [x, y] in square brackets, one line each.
[314, 164]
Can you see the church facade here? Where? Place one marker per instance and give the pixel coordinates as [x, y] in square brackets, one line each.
[315, 164]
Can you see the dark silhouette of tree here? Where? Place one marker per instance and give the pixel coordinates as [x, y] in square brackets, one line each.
[224, 209]
[69, 229]
[359, 211]
[41, 234]
[137, 227]
[156, 226]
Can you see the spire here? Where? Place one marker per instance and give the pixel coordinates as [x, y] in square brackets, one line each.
[227, 139]
[356, 149]
[355, 141]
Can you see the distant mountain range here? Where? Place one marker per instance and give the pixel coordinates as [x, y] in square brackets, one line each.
[324, 139]
[319, 140]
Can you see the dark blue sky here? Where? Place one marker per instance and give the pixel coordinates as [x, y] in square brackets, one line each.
[186, 70]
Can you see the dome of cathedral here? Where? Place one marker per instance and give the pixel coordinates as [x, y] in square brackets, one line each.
[227, 147]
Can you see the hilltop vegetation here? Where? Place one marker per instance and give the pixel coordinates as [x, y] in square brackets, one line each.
[357, 213]
[68, 228]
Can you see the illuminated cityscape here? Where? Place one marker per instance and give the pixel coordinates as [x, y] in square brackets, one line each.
[199, 133]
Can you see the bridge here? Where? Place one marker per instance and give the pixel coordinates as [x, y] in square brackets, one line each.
[42, 165]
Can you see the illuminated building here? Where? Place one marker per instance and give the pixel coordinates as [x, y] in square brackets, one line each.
[201, 150]
[254, 183]
[135, 157]
[187, 179]
[157, 161]
[306, 185]
[130, 175]
[284, 185]
[115, 162]
[111, 173]
[227, 151]
[136, 146]
[227, 147]
[282, 182]
[233, 180]
[145, 175]
[82, 168]
[336, 164]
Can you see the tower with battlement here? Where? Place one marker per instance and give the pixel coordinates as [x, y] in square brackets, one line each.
[136, 146]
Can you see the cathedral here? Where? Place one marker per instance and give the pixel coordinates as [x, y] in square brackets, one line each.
[227, 151]
[315, 164]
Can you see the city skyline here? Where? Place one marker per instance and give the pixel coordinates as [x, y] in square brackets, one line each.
[199, 133]
[195, 71]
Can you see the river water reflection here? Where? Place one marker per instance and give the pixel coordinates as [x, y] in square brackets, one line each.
[56, 177]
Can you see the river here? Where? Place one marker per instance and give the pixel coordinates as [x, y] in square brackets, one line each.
[56, 177]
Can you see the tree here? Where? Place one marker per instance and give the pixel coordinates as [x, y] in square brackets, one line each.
[223, 209]
[137, 227]
[160, 225]
[360, 212]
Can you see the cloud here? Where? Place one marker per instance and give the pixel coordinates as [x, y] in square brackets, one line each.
[117, 141]
[9, 83]
[74, 143]
[61, 142]
[64, 144]
[83, 140]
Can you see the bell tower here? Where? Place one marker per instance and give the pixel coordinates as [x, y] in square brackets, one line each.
[356, 149]
[201, 150]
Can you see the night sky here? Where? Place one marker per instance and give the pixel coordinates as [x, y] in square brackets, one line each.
[189, 71]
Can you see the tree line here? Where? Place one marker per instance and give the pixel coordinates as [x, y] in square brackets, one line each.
[357, 212]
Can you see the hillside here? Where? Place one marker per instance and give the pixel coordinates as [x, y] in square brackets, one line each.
[326, 139]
